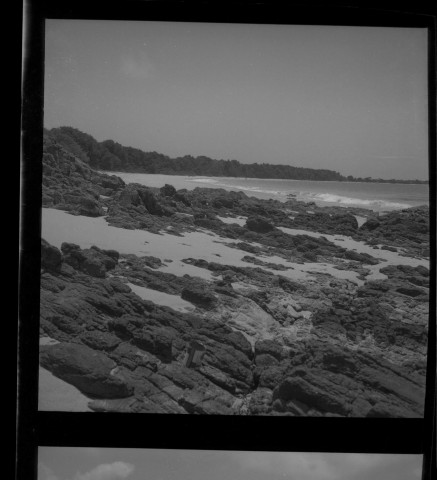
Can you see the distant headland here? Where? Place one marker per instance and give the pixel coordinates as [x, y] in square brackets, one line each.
[111, 156]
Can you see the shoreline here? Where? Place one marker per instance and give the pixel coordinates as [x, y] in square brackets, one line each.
[286, 303]
[331, 198]
[397, 182]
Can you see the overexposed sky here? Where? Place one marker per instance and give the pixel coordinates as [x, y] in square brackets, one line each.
[56, 463]
[350, 99]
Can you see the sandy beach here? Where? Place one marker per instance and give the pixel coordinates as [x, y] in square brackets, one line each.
[287, 300]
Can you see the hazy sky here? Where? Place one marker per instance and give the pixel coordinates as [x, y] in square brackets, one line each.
[351, 99]
[134, 464]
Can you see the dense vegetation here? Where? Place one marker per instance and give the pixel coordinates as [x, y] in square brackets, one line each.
[112, 156]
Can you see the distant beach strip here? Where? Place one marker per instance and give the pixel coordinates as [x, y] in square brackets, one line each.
[379, 197]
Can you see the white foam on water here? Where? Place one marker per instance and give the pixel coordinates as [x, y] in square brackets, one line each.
[217, 183]
[372, 196]
[203, 180]
[335, 199]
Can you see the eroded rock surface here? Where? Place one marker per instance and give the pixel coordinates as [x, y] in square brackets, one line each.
[292, 350]
[272, 344]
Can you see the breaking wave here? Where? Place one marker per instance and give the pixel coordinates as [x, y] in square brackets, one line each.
[245, 188]
[372, 196]
[343, 200]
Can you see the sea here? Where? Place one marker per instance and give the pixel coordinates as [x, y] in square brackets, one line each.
[380, 197]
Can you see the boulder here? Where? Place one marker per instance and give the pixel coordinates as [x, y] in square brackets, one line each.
[51, 257]
[360, 257]
[199, 295]
[129, 196]
[223, 201]
[259, 225]
[371, 224]
[313, 393]
[90, 371]
[167, 190]
[270, 347]
[93, 261]
[90, 207]
[111, 182]
[410, 292]
[154, 340]
[149, 201]
[100, 340]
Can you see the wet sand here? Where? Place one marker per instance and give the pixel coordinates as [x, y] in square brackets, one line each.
[59, 226]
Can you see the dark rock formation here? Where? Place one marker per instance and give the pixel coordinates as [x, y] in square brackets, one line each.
[199, 296]
[259, 225]
[70, 184]
[257, 261]
[407, 228]
[51, 257]
[272, 345]
[416, 275]
[93, 261]
[168, 190]
[89, 370]
[115, 345]
[323, 222]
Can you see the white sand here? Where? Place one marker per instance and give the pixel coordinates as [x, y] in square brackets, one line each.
[59, 226]
[360, 220]
[387, 257]
[161, 298]
[47, 341]
[229, 220]
[55, 395]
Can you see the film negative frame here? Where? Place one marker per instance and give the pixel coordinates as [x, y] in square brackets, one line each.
[379, 435]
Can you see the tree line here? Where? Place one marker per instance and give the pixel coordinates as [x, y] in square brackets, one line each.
[111, 156]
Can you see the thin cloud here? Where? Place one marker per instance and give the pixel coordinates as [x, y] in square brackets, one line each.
[107, 471]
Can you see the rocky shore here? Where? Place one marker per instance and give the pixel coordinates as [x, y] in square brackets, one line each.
[271, 334]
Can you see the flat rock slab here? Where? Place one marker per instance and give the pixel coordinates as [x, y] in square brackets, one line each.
[88, 370]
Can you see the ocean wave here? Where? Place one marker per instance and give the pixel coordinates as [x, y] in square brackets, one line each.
[253, 189]
[343, 200]
[203, 180]
[246, 188]
[325, 198]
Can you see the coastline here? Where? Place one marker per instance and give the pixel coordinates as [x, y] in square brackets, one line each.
[399, 182]
[323, 193]
[288, 303]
